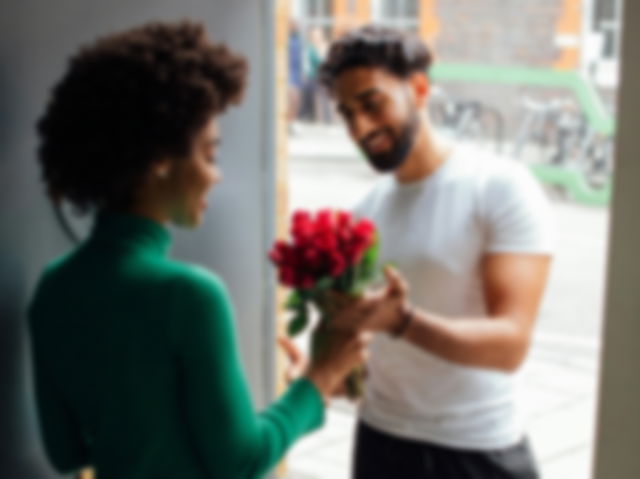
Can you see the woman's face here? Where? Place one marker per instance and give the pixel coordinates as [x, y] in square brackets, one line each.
[193, 177]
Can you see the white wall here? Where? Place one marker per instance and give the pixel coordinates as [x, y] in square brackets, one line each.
[618, 435]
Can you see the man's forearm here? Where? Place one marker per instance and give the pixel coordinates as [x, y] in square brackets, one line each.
[496, 343]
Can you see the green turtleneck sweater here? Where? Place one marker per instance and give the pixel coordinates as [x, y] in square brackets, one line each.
[137, 371]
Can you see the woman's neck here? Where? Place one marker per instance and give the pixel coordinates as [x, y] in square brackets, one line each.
[144, 208]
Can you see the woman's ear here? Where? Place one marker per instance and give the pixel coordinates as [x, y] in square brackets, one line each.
[161, 169]
[421, 88]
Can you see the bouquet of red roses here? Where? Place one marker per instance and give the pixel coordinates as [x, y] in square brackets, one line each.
[329, 261]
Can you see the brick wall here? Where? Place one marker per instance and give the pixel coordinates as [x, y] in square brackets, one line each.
[510, 33]
[501, 32]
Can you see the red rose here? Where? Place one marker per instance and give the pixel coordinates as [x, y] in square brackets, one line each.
[353, 254]
[306, 282]
[301, 216]
[337, 264]
[322, 245]
[343, 219]
[364, 232]
[288, 277]
[324, 224]
[313, 259]
[279, 252]
[344, 237]
[325, 243]
[325, 217]
[303, 235]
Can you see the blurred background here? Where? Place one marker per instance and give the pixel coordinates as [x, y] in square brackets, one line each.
[534, 80]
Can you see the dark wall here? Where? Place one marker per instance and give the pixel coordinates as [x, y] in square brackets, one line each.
[36, 38]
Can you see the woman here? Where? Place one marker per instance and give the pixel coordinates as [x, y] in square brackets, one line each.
[136, 363]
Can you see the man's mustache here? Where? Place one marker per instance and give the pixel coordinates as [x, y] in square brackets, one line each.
[371, 136]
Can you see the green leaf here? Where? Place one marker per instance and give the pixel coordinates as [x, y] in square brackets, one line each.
[345, 281]
[368, 264]
[298, 323]
[294, 301]
[323, 285]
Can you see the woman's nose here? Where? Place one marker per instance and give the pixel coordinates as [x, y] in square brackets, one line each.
[216, 175]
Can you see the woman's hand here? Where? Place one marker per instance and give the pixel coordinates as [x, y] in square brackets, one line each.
[299, 364]
[342, 352]
[298, 361]
[87, 473]
[381, 310]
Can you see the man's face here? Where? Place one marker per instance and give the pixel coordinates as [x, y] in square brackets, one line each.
[380, 112]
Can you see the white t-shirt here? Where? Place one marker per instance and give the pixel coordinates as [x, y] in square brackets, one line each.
[436, 232]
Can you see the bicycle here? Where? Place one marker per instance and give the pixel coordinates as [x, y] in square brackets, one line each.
[467, 120]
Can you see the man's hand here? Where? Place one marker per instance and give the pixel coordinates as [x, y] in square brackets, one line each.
[381, 310]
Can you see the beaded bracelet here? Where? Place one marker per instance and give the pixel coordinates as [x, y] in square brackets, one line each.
[407, 317]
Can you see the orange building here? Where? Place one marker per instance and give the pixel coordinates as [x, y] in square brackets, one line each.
[337, 16]
[559, 34]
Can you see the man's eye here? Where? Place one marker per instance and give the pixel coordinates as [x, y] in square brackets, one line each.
[371, 106]
[345, 114]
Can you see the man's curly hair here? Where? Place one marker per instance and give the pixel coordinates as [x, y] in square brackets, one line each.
[372, 46]
[130, 99]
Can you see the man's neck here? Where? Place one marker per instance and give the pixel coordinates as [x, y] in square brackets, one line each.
[428, 154]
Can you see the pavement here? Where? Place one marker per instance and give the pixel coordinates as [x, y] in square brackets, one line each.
[560, 376]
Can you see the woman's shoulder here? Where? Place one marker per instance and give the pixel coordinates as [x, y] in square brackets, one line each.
[198, 299]
[48, 278]
[188, 279]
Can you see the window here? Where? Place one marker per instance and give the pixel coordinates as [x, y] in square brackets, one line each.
[606, 22]
[316, 14]
[400, 14]
[603, 42]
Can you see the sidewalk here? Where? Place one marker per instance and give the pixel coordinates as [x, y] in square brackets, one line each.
[560, 377]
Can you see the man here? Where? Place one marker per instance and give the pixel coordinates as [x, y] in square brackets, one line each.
[469, 234]
[296, 76]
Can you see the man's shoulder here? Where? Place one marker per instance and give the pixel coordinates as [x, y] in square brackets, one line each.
[484, 165]
[486, 173]
[378, 191]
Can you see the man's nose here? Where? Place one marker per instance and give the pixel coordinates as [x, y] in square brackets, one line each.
[361, 127]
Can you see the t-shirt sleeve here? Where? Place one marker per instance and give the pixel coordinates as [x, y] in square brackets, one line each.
[358, 209]
[366, 205]
[517, 214]
[229, 437]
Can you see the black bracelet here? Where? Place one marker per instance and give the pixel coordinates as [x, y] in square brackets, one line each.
[407, 317]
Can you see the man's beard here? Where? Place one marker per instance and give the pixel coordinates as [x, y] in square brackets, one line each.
[400, 149]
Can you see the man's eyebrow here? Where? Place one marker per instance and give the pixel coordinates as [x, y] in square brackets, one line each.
[362, 96]
[365, 95]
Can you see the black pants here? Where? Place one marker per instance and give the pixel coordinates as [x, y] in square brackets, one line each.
[380, 456]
